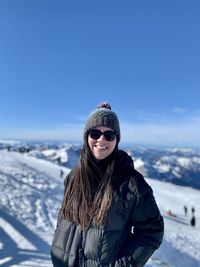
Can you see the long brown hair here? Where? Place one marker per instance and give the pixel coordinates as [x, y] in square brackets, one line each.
[89, 191]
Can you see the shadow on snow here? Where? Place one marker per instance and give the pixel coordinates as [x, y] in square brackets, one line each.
[11, 249]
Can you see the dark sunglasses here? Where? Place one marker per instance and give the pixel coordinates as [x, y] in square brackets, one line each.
[96, 134]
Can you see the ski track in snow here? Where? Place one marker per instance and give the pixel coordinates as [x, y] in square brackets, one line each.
[31, 193]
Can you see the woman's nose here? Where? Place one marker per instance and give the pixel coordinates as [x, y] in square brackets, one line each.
[101, 138]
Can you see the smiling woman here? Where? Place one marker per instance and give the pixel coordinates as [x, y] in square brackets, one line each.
[102, 142]
[104, 199]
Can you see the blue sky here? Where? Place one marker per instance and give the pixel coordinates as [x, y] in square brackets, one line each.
[60, 59]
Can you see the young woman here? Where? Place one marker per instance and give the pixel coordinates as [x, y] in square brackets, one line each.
[109, 216]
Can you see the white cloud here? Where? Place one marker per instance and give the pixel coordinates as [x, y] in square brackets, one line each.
[177, 133]
[179, 110]
[184, 131]
[71, 132]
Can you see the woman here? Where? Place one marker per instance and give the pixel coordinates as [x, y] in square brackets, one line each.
[109, 216]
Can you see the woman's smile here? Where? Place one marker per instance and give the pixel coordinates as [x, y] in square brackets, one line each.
[101, 148]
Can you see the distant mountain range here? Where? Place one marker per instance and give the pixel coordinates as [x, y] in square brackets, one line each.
[176, 165]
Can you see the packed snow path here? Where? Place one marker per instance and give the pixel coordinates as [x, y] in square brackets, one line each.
[31, 192]
[19, 244]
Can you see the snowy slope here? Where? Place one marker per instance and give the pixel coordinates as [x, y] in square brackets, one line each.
[181, 246]
[176, 165]
[31, 193]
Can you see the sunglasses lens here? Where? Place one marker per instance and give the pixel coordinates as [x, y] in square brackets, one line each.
[109, 135]
[95, 134]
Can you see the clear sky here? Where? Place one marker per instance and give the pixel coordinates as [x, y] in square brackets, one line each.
[60, 59]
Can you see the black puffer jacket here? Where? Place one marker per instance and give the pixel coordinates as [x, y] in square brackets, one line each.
[130, 236]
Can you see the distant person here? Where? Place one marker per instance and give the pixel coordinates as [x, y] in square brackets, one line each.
[61, 173]
[104, 198]
[193, 221]
[169, 213]
[192, 210]
[185, 210]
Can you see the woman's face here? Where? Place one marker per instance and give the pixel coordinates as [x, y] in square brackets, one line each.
[101, 148]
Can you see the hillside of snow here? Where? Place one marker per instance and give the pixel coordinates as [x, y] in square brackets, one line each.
[31, 193]
[176, 165]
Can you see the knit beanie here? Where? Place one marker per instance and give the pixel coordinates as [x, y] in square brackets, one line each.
[103, 116]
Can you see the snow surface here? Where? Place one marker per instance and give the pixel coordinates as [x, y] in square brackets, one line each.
[31, 193]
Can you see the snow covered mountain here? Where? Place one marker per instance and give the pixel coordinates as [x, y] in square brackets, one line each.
[31, 193]
[177, 165]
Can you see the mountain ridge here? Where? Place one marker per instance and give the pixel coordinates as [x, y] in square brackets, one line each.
[179, 166]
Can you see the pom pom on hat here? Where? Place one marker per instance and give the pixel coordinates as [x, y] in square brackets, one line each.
[104, 105]
[103, 116]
